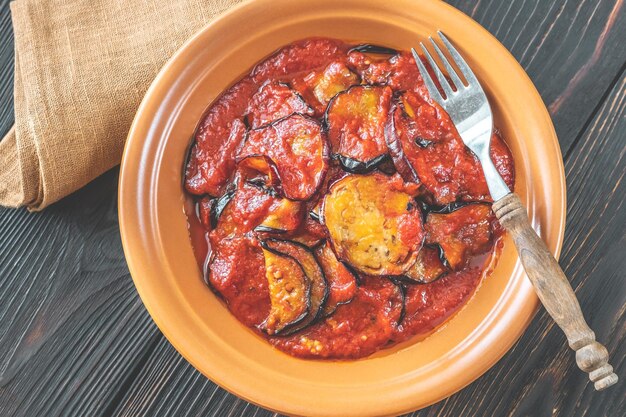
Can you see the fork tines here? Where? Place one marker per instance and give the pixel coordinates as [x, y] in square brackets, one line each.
[457, 84]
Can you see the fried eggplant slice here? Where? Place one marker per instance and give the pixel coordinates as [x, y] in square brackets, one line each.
[461, 233]
[428, 122]
[355, 121]
[306, 239]
[427, 149]
[398, 71]
[261, 172]
[219, 204]
[258, 179]
[356, 329]
[342, 280]
[216, 141]
[297, 148]
[236, 273]
[373, 223]
[301, 56]
[283, 216]
[289, 290]
[414, 125]
[212, 158]
[396, 131]
[273, 101]
[428, 267]
[313, 271]
[243, 207]
[335, 78]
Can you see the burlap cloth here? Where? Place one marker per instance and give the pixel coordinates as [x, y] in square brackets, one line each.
[81, 70]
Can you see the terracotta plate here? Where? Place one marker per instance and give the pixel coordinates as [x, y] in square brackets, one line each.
[159, 254]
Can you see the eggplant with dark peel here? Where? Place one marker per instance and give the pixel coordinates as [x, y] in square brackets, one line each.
[311, 233]
[395, 128]
[428, 267]
[442, 255]
[265, 229]
[253, 171]
[297, 148]
[354, 166]
[211, 159]
[335, 173]
[235, 269]
[316, 211]
[373, 224]
[315, 214]
[313, 271]
[301, 57]
[368, 48]
[387, 166]
[427, 149]
[306, 239]
[252, 205]
[283, 216]
[402, 296]
[335, 78]
[355, 120]
[422, 142]
[289, 290]
[260, 171]
[218, 206]
[273, 101]
[342, 280]
[461, 233]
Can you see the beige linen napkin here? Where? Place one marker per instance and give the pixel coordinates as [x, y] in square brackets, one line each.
[81, 70]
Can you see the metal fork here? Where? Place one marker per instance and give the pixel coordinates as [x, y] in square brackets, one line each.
[469, 110]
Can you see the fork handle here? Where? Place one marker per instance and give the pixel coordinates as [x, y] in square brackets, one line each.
[555, 291]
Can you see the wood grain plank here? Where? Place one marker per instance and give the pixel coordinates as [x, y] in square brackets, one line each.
[168, 385]
[72, 329]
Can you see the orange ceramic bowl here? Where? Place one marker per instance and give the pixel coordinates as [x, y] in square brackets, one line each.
[159, 253]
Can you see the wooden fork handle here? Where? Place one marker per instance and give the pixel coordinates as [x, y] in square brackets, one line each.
[555, 291]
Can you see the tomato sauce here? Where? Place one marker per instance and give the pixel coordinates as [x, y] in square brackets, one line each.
[264, 160]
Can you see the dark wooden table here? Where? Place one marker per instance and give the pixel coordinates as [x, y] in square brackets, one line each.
[75, 340]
